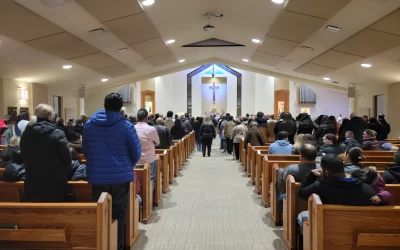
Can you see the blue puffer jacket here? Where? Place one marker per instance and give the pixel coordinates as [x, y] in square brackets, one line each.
[111, 147]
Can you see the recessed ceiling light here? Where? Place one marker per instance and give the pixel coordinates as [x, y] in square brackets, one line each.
[104, 80]
[366, 65]
[326, 78]
[255, 40]
[147, 2]
[67, 66]
[171, 41]
[245, 60]
[182, 60]
[278, 1]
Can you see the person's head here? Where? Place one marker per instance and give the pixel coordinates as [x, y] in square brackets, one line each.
[247, 115]
[60, 121]
[207, 120]
[329, 139]
[349, 135]
[272, 117]
[160, 121]
[324, 120]
[354, 155]
[7, 119]
[192, 119]
[14, 141]
[170, 114]
[113, 102]
[308, 153]
[133, 119]
[43, 112]
[201, 120]
[345, 121]
[364, 117]
[283, 135]
[260, 114]
[156, 116]
[74, 155]
[366, 175]
[381, 116]
[186, 115]
[369, 133]
[299, 139]
[288, 117]
[332, 165]
[25, 116]
[308, 138]
[373, 120]
[352, 115]
[176, 116]
[178, 122]
[78, 122]
[84, 119]
[281, 115]
[238, 121]
[142, 115]
[253, 124]
[227, 115]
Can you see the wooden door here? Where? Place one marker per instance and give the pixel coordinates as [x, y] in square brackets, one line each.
[148, 101]
[281, 102]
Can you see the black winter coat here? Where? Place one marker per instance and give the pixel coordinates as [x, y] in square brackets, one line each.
[177, 132]
[165, 139]
[207, 131]
[385, 131]
[305, 128]
[357, 125]
[10, 154]
[47, 162]
[262, 121]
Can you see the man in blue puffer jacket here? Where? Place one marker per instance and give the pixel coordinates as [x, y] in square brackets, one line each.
[112, 149]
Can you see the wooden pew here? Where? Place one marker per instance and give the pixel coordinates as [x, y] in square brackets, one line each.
[163, 154]
[257, 169]
[378, 165]
[283, 161]
[379, 158]
[350, 227]
[59, 225]
[82, 190]
[178, 155]
[158, 184]
[368, 153]
[241, 152]
[1, 172]
[171, 163]
[143, 174]
[251, 155]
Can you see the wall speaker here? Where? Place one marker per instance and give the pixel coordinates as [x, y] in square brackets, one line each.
[351, 92]
[82, 92]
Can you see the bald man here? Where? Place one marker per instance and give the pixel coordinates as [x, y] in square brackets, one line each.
[163, 134]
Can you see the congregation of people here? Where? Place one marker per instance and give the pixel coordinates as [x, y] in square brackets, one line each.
[45, 152]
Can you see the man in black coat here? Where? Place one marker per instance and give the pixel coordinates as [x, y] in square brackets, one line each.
[46, 158]
[386, 128]
[163, 134]
[356, 125]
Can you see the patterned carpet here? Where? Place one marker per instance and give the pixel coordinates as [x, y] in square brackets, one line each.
[211, 206]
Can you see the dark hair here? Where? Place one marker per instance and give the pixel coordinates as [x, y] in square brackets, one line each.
[308, 152]
[170, 113]
[282, 135]
[282, 115]
[113, 102]
[288, 117]
[176, 116]
[355, 154]
[247, 115]
[331, 137]
[187, 115]
[7, 119]
[260, 114]
[373, 120]
[78, 122]
[142, 114]
[332, 163]
[25, 115]
[59, 121]
[381, 116]
[177, 122]
[132, 119]
[366, 175]
[308, 138]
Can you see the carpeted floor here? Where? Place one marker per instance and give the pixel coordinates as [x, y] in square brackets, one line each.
[211, 205]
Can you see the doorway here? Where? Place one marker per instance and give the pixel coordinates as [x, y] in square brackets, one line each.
[378, 105]
[281, 101]
[148, 101]
[57, 104]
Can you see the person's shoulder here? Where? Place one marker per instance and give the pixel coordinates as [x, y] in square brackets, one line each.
[292, 167]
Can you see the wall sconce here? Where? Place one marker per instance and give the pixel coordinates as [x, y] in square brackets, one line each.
[23, 94]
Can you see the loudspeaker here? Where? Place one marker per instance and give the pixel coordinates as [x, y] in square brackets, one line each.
[351, 92]
[82, 92]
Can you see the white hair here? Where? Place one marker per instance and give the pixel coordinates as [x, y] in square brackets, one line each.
[207, 120]
[42, 111]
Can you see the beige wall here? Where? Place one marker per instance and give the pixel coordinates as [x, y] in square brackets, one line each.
[39, 94]
[11, 95]
[1, 100]
[365, 99]
[149, 84]
[69, 100]
[393, 110]
[95, 101]
[281, 83]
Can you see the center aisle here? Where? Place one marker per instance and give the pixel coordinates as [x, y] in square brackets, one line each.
[211, 205]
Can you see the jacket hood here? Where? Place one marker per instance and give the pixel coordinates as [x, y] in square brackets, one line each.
[282, 142]
[342, 182]
[106, 118]
[42, 126]
[261, 119]
[357, 120]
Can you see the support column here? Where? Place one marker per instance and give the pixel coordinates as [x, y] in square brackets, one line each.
[81, 103]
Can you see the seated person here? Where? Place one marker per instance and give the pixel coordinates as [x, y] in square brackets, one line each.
[75, 142]
[392, 173]
[333, 187]
[298, 143]
[330, 146]
[78, 172]
[369, 141]
[282, 146]
[372, 178]
[12, 161]
[352, 158]
[350, 141]
[253, 135]
[9, 153]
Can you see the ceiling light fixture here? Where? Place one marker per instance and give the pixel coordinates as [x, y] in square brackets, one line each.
[278, 1]
[148, 2]
[307, 48]
[333, 29]
[182, 60]
[326, 78]
[170, 41]
[245, 60]
[104, 80]
[366, 65]
[67, 66]
[254, 40]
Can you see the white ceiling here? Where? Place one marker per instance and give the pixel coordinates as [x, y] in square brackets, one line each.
[37, 40]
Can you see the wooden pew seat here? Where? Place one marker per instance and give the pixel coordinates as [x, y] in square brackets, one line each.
[59, 225]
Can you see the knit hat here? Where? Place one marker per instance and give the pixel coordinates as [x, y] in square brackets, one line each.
[397, 156]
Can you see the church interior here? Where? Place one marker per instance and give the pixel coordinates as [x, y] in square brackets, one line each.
[228, 61]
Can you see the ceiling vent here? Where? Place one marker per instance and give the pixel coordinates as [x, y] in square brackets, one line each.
[96, 32]
[122, 50]
[54, 3]
[212, 42]
[307, 48]
[332, 29]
